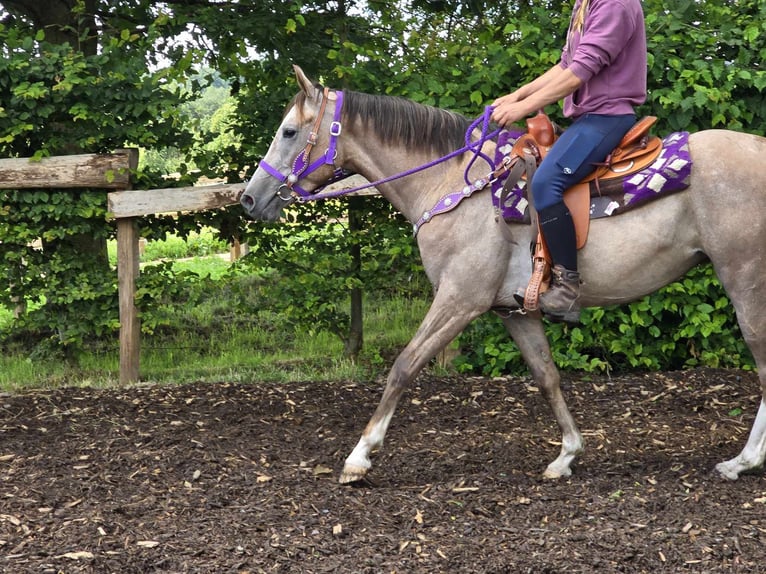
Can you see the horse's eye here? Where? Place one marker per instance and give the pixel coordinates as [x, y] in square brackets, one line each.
[289, 133]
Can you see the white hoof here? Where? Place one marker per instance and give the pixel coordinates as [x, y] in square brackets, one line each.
[726, 471]
[352, 473]
[553, 473]
[562, 466]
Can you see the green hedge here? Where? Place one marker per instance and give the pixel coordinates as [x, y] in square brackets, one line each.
[689, 323]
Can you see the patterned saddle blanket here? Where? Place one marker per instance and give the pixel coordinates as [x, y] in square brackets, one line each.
[669, 173]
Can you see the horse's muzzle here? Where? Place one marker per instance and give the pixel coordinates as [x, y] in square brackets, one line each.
[268, 210]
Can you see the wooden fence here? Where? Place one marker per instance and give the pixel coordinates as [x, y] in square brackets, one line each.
[112, 172]
[126, 206]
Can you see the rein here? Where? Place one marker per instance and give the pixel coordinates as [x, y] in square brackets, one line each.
[302, 168]
[470, 146]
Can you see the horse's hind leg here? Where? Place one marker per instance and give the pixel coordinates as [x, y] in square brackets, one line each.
[529, 336]
[443, 322]
[753, 455]
[746, 290]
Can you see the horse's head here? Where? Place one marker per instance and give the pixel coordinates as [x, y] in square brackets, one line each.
[301, 156]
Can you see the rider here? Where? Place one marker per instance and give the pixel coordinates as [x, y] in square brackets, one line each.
[601, 77]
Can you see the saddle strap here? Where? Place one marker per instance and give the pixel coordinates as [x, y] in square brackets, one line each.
[521, 165]
[540, 275]
[524, 164]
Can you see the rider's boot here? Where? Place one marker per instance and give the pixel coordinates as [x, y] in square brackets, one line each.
[560, 302]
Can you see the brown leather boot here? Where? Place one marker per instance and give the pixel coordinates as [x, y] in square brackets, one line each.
[559, 303]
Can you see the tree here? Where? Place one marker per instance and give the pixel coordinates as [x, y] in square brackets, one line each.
[93, 75]
[59, 99]
[70, 22]
[706, 64]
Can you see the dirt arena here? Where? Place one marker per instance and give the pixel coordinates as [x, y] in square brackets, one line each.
[242, 478]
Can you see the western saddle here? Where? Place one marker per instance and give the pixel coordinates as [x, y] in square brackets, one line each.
[636, 150]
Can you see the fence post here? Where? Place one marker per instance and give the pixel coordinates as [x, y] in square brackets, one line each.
[127, 273]
[126, 207]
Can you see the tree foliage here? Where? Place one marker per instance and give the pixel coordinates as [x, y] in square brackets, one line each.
[94, 75]
[706, 64]
[58, 99]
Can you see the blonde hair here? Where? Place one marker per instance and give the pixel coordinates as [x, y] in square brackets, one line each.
[579, 18]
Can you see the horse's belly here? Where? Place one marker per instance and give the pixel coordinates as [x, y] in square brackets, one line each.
[639, 252]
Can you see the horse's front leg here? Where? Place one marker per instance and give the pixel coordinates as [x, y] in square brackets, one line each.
[529, 335]
[444, 321]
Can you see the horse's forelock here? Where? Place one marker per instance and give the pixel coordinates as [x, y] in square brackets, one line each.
[403, 122]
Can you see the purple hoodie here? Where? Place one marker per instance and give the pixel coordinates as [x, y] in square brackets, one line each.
[609, 57]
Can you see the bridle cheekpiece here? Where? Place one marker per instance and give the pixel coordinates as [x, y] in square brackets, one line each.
[302, 165]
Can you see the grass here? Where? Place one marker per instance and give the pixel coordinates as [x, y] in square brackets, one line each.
[238, 353]
[261, 348]
[208, 340]
[212, 266]
[254, 354]
[201, 243]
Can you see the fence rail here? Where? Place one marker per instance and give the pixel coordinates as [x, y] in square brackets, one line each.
[126, 207]
[137, 203]
[105, 171]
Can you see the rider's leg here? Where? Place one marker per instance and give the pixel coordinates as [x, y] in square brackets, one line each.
[587, 142]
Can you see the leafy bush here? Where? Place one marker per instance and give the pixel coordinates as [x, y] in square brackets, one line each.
[56, 99]
[316, 268]
[686, 324]
[40, 246]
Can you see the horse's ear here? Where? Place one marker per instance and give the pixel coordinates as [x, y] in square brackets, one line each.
[306, 85]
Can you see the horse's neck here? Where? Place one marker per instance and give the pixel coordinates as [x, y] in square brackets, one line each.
[417, 191]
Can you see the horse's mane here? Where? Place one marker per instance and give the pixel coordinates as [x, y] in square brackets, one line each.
[398, 121]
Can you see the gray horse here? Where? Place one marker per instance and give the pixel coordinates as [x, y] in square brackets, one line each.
[475, 268]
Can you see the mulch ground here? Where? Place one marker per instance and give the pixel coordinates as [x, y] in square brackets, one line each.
[242, 478]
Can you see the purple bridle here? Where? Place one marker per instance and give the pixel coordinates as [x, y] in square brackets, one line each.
[302, 167]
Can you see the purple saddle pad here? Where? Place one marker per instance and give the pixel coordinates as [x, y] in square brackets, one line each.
[669, 173]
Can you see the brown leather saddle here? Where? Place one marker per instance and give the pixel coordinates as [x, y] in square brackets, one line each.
[636, 151]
